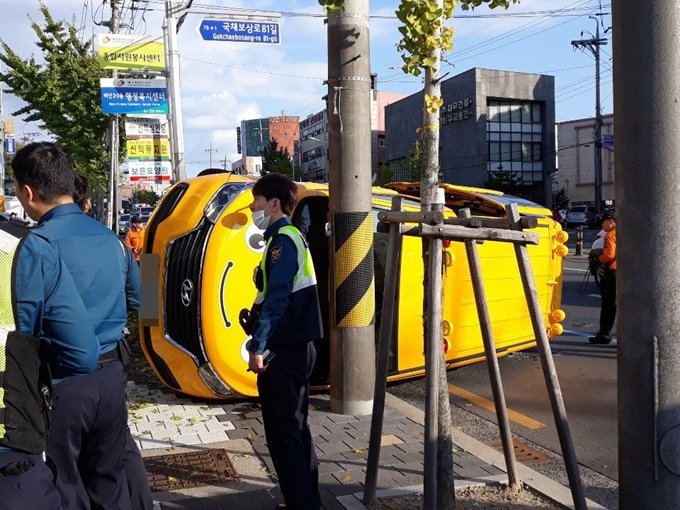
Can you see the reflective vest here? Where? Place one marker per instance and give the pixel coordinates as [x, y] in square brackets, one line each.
[25, 382]
[301, 321]
[305, 276]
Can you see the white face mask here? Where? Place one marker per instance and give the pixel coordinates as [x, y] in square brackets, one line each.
[261, 221]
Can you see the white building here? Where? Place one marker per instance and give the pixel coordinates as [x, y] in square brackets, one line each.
[576, 159]
[248, 165]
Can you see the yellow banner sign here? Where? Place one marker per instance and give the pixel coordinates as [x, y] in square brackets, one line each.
[9, 126]
[148, 149]
[132, 52]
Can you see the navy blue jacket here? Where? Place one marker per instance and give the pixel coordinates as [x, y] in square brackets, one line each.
[48, 307]
[103, 269]
[284, 320]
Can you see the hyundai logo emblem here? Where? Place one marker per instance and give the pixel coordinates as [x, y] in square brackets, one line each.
[187, 292]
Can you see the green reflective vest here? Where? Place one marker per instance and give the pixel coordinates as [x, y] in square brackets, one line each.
[305, 276]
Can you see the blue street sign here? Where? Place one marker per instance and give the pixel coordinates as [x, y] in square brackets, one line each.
[134, 97]
[10, 145]
[240, 31]
[608, 141]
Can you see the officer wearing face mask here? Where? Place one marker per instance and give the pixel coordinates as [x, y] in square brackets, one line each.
[287, 326]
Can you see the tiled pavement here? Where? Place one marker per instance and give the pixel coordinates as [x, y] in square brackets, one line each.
[162, 424]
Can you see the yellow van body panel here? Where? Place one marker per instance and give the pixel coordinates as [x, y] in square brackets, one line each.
[205, 355]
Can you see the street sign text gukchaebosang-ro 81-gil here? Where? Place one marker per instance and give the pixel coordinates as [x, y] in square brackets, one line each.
[261, 32]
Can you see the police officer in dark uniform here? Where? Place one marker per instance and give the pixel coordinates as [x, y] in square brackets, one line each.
[42, 324]
[89, 420]
[289, 322]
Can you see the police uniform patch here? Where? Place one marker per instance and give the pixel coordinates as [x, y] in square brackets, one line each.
[275, 253]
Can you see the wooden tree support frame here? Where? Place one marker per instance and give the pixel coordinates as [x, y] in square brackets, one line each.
[468, 230]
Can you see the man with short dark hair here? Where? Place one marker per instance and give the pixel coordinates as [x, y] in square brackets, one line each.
[608, 281]
[288, 324]
[90, 415]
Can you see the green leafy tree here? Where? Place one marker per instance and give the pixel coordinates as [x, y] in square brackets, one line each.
[276, 160]
[505, 181]
[145, 196]
[561, 199]
[62, 94]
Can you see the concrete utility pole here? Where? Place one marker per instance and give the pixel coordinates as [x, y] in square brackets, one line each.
[111, 216]
[593, 45]
[349, 121]
[174, 91]
[647, 151]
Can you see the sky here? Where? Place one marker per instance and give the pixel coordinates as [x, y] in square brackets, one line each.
[223, 83]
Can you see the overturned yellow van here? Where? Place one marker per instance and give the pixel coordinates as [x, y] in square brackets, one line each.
[205, 247]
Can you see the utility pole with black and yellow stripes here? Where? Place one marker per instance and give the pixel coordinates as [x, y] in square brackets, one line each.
[353, 296]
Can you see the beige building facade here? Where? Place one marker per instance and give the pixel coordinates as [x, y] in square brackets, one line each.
[576, 160]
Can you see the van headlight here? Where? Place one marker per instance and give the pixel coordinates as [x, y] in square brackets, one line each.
[213, 208]
[213, 381]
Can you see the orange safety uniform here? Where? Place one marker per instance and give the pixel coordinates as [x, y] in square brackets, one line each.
[135, 241]
[609, 252]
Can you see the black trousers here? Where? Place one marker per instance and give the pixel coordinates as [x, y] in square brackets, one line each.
[284, 397]
[88, 440]
[608, 310]
[27, 483]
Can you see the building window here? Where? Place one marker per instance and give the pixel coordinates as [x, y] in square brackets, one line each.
[381, 142]
[514, 133]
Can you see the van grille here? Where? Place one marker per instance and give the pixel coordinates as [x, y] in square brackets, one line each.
[184, 268]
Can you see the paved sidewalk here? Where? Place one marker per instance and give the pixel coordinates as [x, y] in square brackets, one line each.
[164, 424]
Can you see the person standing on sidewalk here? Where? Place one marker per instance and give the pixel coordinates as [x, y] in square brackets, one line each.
[135, 471]
[289, 322]
[89, 419]
[42, 335]
[134, 239]
[608, 282]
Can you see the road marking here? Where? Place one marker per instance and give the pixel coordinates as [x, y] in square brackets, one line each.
[518, 418]
[595, 295]
[573, 332]
[578, 270]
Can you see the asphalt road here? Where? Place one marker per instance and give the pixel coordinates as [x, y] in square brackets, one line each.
[587, 375]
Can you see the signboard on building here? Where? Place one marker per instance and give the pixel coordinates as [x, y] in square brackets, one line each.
[456, 111]
[240, 31]
[608, 140]
[10, 145]
[136, 52]
[133, 96]
[147, 149]
[140, 127]
[149, 171]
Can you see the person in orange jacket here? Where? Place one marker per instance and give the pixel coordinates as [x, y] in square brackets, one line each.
[608, 282]
[135, 236]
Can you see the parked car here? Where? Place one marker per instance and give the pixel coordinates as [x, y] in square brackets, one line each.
[581, 215]
[123, 223]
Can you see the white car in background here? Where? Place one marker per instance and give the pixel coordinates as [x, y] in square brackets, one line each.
[581, 215]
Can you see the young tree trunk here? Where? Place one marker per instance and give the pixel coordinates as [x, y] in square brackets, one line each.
[446, 499]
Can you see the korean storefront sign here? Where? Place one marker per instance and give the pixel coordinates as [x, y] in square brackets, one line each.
[131, 52]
